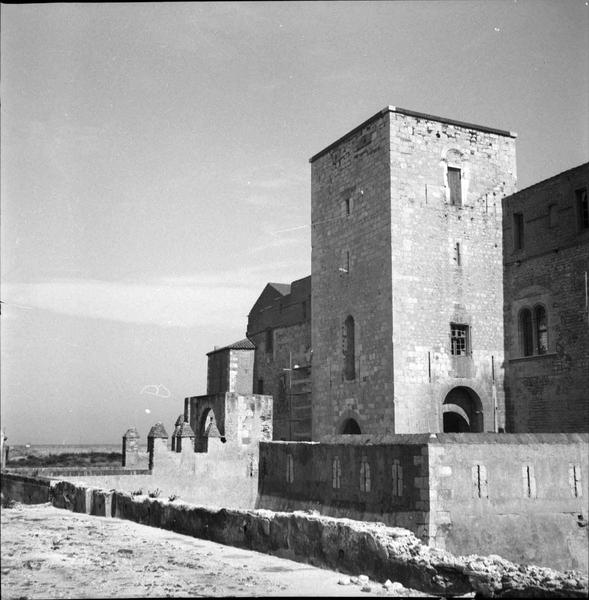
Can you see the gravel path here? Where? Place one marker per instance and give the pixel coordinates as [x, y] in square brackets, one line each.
[52, 553]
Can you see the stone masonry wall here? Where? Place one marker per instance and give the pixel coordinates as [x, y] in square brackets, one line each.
[524, 497]
[384, 238]
[433, 283]
[548, 392]
[241, 371]
[351, 477]
[287, 318]
[514, 497]
[351, 274]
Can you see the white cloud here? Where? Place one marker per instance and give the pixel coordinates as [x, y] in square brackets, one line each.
[160, 304]
[207, 299]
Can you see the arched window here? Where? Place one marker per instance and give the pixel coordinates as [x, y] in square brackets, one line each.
[525, 332]
[541, 329]
[349, 349]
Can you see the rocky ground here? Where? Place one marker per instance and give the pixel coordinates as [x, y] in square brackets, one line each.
[51, 553]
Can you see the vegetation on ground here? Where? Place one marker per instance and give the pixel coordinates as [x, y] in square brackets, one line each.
[68, 459]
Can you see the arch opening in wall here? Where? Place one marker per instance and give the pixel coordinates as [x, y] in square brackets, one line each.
[462, 411]
[350, 427]
[207, 428]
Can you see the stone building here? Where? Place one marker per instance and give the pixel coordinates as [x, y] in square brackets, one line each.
[546, 266]
[279, 325]
[407, 324]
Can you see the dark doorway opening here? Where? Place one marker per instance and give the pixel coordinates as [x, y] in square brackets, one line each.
[351, 426]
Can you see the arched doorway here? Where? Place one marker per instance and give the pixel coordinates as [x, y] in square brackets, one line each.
[350, 426]
[462, 411]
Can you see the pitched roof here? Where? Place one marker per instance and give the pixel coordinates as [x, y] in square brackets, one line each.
[281, 288]
[157, 431]
[244, 344]
[213, 431]
[185, 431]
[180, 420]
[131, 433]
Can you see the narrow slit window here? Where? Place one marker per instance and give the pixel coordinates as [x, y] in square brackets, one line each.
[575, 481]
[455, 186]
[479, 481]
[518, 231]
[365, 475]
[458, 256]
[582, 208]
[525, 332]
[289, 468]
[349, 348]
[336, 473]
[269, 341]
[528, 481]
[397, 475]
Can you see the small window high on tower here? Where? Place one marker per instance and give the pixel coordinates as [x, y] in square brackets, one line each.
[455, 185]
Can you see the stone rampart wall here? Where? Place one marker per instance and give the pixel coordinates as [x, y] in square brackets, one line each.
[524, 497]
[350, 546]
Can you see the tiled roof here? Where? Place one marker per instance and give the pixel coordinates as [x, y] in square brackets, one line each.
[185, 431]
[131, 433]
[180, 420]
[213, 431]
[157, 431]
[244, 344]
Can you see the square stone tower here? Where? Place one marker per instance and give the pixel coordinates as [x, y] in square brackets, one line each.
[407, 325]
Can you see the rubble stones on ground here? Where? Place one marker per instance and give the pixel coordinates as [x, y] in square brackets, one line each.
[347, 545]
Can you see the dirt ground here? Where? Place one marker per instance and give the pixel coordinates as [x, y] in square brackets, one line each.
[51, 553]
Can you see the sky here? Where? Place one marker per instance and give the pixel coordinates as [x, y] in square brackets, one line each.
[155, 174]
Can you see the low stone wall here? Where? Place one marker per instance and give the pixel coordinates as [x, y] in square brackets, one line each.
[77, 471]
[25, 488]
[353, 547]
[521, 496]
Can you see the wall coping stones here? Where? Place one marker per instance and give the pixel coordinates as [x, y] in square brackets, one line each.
[453, 438]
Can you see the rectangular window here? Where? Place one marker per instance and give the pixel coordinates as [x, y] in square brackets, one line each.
[455, 185]
[459, 339]
[458, 256]
[582, 208]
[518, 231]
[260, 386]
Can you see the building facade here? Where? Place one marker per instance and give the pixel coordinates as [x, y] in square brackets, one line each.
[279, 325]
[407, 325]
[546, 266]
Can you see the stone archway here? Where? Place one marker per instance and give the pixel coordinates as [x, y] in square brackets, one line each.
[207, 421]
[350, 426]
[462, 411]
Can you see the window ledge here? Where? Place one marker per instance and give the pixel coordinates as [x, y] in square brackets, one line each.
[533, 357]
